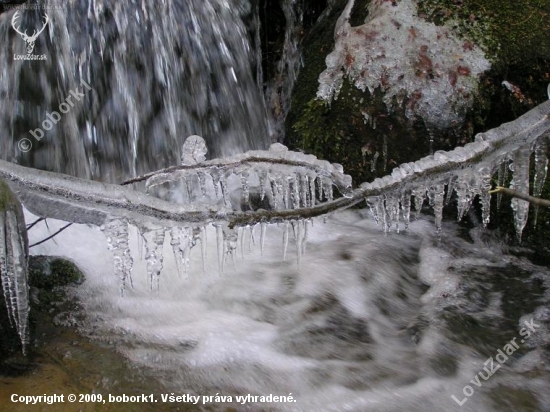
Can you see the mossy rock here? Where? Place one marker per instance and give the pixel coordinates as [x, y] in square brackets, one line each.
[47, 277]
[514, 36]
[48, 272]
[8, 200]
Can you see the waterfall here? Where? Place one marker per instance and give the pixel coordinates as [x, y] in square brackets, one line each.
[321, 310]
[157, 71]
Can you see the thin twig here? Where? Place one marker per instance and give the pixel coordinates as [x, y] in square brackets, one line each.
[29, 227]
[514, 193]
[48, 238]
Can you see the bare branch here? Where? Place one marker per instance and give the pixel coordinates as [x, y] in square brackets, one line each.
[35, 223]
[514, 193]
[51, 237]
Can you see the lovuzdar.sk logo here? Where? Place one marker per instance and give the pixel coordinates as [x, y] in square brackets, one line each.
[29, 40]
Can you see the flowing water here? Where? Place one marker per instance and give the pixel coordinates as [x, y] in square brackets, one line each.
[366, 323]
[157, 71]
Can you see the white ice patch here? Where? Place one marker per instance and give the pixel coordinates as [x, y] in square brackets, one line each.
[428, 68]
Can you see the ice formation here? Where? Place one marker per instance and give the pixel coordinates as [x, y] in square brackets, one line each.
[14, 253]
[424, 67]
[261, 187]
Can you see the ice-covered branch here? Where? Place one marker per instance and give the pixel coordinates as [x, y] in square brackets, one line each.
[259, 187]
[296, 185]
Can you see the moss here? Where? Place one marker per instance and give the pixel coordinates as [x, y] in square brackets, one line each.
[47, 272]
[340, 133]
[514, 36]
[6, 196]
[510, 31]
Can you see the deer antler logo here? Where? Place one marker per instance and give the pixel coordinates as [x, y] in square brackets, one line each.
[29, 39]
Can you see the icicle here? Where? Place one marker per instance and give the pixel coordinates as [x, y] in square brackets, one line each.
[299, 238]
[231, 239]
[262, 176]
[263, 231]
[450, 189]
[215, 174]
[406, 207]
[241, 237]
[274, 193]
[225, 190]
[419, 196]
[285, 184]
[392, 206]
[188, 184]
[465, 195]
[374, 206]
[327, 187]
[202, 182]
[307, 224]
[116, 232]
[484, 186]
[221, 247]
[312, 179]
[304, 190]
[246, 188]
[175, 241]
[14, 264]
[319, 181]
[383, 211]
[436, 195]
[520, 183]
[154, 241]
[294, 191]
[181, 245]
[502, 177]
[203, 247]
[7, 279]
[252, 238]
[285, 240]
[140, 244]
[541, 169]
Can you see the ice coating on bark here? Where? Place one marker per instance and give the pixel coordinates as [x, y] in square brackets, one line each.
[287, 177]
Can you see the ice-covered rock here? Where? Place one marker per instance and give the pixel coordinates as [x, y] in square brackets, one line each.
[427, 68]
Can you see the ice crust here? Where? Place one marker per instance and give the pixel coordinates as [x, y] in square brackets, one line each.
[427, 69]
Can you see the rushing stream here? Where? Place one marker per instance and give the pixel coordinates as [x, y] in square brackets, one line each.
[422, 320]
[366, 323]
